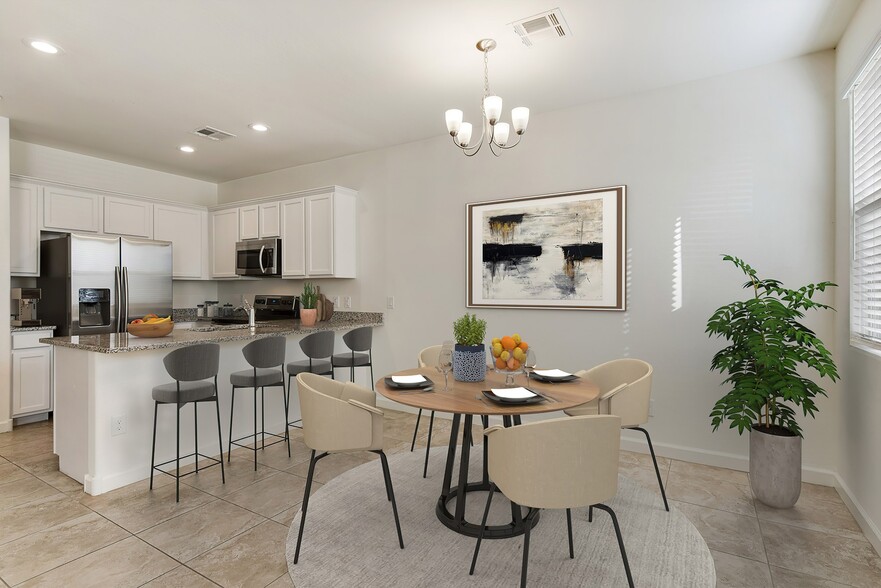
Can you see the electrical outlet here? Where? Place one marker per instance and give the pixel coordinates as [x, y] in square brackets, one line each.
[118, 425]
[348, 301]
[652, 407]
[390, 303]
[336, 301]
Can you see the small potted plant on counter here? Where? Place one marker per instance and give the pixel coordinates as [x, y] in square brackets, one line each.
[308, 312]
[768, 351]
[469, 355]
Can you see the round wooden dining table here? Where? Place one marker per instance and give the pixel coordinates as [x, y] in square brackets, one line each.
[464, 400]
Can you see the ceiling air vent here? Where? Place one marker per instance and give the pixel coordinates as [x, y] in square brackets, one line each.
[541, 27]
[213, 134]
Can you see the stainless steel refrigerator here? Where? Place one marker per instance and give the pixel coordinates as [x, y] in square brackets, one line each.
[97, 284]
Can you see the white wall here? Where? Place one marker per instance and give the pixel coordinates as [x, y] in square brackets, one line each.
[861, 408]
[743, 161]
[48, 163]
[5, 340]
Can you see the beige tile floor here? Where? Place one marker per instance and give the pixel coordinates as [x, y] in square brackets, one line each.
[233, 534]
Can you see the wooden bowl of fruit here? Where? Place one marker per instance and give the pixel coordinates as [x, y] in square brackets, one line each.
[151, 326]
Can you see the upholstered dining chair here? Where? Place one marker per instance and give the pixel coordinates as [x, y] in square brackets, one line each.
[560, 463]
[625, 391]
[427, 358]
[340, 417]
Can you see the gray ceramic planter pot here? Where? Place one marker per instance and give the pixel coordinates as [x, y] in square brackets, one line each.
[775, 468]
[469, 363]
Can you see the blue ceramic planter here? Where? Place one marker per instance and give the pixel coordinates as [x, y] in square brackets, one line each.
[469, 363]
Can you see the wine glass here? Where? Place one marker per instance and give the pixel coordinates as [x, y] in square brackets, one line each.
[529, 363]
[445, 362]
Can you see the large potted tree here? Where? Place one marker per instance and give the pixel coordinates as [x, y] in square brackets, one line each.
[769, 351]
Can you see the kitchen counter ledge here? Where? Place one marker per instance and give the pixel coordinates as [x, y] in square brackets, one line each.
[123, 342]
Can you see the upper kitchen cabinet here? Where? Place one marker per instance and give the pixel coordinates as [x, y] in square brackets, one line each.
[187, 229]
[71, 210]
[269, 220]
[128, 216]
[24, 229]
[224, 227]
[318, 235]
[249, 223]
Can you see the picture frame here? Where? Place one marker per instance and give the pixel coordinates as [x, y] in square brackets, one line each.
[555, 251]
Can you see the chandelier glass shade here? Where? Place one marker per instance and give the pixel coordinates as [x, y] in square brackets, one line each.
[497, 134]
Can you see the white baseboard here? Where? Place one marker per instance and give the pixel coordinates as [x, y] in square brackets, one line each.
[6, 426]
[873, 534]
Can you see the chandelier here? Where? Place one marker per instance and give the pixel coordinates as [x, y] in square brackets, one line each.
[491, 108]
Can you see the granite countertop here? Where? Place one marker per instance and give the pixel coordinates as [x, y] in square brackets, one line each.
[40, 328]
[123, 342]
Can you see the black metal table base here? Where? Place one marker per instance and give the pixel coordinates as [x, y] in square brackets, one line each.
[456, 520]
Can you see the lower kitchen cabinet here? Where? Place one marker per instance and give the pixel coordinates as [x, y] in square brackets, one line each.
[31, 373]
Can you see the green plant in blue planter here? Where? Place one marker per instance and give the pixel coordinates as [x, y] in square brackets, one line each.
[469, 355]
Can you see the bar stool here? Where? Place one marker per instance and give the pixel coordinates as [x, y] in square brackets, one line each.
[318, 348]
[358, 341]
[191, 367]
[266, 358]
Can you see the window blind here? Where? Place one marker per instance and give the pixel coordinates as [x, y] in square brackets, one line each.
[866, 182]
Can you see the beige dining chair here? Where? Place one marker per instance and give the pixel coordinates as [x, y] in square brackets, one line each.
[625, 391]
[559, 463]
[427, 358]
[340, 417]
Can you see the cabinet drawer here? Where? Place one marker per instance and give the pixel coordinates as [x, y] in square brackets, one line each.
[28, 339]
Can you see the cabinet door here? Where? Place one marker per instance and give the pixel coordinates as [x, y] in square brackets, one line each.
[249, 222]
[31, 381]
[71, 210]
[24, 229]
[224, 236]
[269, 221]
[130, 217]
[293, 238]
[184, 227]
[319, 235]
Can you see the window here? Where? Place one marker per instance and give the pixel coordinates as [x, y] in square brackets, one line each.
[866, 188]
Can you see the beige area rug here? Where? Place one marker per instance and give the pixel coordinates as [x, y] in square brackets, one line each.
[350, 537]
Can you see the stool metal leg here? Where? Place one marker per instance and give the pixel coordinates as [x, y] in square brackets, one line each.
[219, 435]
[196, 431]
[232, 406]
[177, 460]
[286, 397]
[255, 421]
[153, 454]
[262, 417]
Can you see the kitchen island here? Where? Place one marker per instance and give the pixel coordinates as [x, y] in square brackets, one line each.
[104, 408]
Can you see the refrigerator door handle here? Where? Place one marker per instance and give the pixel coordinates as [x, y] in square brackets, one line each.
[125, 288]
[118, 282]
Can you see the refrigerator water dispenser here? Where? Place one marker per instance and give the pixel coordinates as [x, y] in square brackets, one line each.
[94, 307]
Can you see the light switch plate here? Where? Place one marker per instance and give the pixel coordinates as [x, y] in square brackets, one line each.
[390, 303]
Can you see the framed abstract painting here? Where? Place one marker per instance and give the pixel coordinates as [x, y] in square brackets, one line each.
[563, 251]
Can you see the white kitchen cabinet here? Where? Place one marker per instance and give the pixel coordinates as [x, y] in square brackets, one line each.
[269, 220]
[31, 373]
[24, 229]
[187, 229]
[224, 236]
[71, 210]
[293, 238]
[330, 234]
[128, 216]
[249, 222]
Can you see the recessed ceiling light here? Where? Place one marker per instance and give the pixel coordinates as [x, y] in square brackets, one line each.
[259, 127]
[186, 148]
[43, 46]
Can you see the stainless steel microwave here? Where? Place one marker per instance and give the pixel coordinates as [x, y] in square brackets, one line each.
[258, 257]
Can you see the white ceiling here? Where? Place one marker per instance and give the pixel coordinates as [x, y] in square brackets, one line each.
[336, 77]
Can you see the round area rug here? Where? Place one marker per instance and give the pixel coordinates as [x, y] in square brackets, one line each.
[350, 539]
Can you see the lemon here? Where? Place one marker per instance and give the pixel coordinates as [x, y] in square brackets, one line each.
[505, 355]
[516, 338]
[497, 349]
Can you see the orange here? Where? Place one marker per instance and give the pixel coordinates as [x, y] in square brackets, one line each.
[508, 343]
[500, 363]
[513, 364]
[523, 345]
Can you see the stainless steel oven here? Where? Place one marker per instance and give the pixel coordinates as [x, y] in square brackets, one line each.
[258, 257]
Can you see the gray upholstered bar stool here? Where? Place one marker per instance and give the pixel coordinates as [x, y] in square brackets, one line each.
[191, 367]
[266, 358]
[318, 348]
[360, 342]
